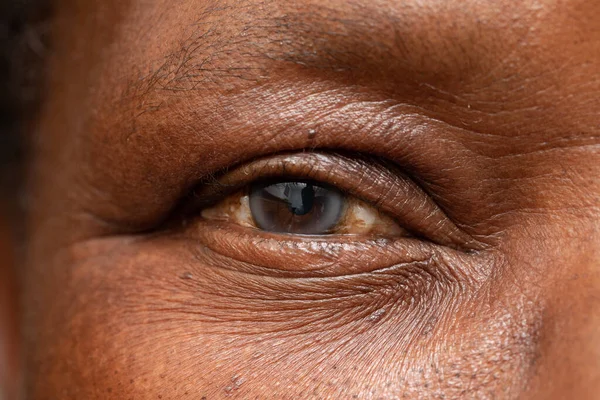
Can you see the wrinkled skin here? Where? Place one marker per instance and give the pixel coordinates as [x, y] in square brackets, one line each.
[490, 107]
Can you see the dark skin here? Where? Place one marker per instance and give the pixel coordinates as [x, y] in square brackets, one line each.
[9, 353]
[488, 112]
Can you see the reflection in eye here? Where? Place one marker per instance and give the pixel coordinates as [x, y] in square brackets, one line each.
[302, 208]
[296, 207]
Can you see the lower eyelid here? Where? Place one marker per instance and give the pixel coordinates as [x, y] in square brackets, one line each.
[295, 255]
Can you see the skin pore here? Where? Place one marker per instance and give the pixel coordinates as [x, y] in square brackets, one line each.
[474, 124]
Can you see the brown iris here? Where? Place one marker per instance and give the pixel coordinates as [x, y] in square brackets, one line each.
[297, 207]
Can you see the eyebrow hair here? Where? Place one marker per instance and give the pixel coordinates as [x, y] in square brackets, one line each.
[320, 39]
[412, 55]
[262, 40]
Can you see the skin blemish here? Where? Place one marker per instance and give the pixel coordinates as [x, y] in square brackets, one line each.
[236, 383]
[235, 207]
[187, 275]
[361, 218]
[377, 315]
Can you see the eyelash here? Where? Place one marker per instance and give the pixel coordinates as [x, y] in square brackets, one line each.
[375, 181]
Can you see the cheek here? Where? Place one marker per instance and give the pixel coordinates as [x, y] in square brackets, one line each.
[567, 279]
[137, 318]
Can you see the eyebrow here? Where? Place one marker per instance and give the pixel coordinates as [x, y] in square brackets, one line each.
[355, 40]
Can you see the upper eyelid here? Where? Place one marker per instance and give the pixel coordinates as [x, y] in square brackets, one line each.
[318, 166]
[351, 175]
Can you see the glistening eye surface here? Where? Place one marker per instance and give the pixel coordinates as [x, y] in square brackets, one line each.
[324, 194]
[296, 207]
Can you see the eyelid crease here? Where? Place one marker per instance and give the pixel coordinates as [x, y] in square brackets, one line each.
[370, 179]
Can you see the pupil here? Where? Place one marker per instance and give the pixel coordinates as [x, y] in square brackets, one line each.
[300, 198]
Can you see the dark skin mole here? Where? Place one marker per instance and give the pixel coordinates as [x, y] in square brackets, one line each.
[484, 117]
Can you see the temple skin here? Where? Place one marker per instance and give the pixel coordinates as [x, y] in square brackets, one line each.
[490, 107]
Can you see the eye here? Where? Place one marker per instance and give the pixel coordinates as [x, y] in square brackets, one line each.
[302, 208]
[320, 194]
